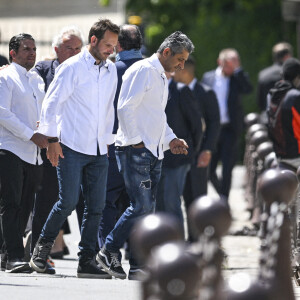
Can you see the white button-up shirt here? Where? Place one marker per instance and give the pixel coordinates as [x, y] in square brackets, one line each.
[78, 106]
[141, 107]
[221, 88]
[21, 96]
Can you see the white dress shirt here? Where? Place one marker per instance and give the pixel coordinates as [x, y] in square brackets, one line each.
[141, 107]
[191, 85]
[78, 106]
[221, 88]
[21, 96]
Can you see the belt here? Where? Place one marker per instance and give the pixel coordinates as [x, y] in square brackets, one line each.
[119, 148]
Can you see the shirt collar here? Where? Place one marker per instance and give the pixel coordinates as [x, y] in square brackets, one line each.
[192, 84]
[19, 68]
[219, 73]
[154, 61]
[90, 60]
[129, 54]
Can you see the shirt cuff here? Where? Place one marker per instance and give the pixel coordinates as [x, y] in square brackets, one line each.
[48, 130]
[27, 134]
[167, 141]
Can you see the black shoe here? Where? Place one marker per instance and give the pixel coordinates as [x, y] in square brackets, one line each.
[111, 264]
[66, 250]
[137, 274]
[17, 265]
[3, 260]
[88, 268]
[40, 255]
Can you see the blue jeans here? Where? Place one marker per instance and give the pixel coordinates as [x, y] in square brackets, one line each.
[141, 172]
[89, 172]
[170, 189]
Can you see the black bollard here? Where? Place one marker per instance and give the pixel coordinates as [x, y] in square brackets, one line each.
[210, 220]
[148, 233]
[175, 273]
[251, 119]
[277, 189]
[255, 168]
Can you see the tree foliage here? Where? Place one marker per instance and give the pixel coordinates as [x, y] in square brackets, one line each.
[250, 26]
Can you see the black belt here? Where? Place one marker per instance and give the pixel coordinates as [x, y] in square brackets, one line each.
[119, 148]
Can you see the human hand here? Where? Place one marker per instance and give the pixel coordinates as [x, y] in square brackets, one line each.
[203, 159]
[40, 140]
[54, 152]
[178, 146]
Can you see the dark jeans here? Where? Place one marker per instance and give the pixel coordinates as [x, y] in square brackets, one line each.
[170, 190]
[141, 172]
[19, 183]
[75, 170]
[226, 152]
[116, 199]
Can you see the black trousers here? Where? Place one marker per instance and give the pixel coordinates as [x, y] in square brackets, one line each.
[195, 186]
[46, 197]
[226, 152]
[19, 183]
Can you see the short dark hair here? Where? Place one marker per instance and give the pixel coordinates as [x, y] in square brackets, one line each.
[190, 64]
[177, 42]
[15, 42]
[130, 37]
[100, 27]
[291, 69]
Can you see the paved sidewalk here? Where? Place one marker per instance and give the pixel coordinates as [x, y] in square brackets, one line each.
[243, 255]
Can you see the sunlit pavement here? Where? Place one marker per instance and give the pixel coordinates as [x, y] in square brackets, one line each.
[243, 256]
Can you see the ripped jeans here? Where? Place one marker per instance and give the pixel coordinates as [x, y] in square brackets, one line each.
[141, 172]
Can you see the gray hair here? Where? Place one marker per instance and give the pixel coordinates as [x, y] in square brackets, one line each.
[280, 51]
[177, 42]
[228, 54]
[67, 31]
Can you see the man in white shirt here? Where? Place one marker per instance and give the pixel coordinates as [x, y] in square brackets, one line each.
[78, 111]
[21, 94]
[142, 137]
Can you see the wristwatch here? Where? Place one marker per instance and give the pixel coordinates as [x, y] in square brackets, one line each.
[52, 140]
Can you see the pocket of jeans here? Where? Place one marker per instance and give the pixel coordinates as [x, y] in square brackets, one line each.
[140, 160]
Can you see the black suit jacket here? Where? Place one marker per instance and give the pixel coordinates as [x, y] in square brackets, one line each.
[266, 80]
[3, 61]
[46, 69]
[239, 84]
[184, 119]
[209, 109]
